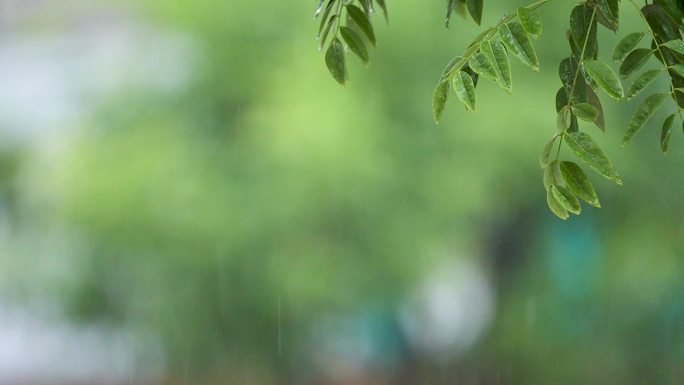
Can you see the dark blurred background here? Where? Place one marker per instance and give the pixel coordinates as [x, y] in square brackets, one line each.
[187, 197]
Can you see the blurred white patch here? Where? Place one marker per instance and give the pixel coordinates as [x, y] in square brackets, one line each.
[450, 311]
[35, 349]
[51, 82]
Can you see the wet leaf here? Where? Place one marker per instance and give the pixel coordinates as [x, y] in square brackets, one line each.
[547, 152]
[555, 206]
[585, 111]
[566, 198]
[519, 43]
[665, 133]
[583, 29]
[675, 45]
[635, 60]
[361, 19]
[586, 149]
[355, 43]
[579, 183]
[475, 10]
[626, 45]
[564, 119]
[439, 100]
[465, 89]
[642, 81]
[552, 175]
[334, 59]
[642, 115]
[496, 53]
[484, 66]
[530, 21]
[605, 77]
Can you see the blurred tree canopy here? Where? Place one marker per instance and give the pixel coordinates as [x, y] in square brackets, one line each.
[231, 219]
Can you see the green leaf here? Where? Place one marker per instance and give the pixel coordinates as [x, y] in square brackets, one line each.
[475, 10]
[583, 29]
[519, 43]
[675, 45]
[642, 81]
[609, 13]
[585, 111]
[642, 114]
[458, 5]
[579, 183]
[635, 60]
[678, 68]
[359, 17]
[600, 120]
[355, 43]
[564, 119]
[382, 5]
[530, 21]
[334, 59]
[439, 100]
[586, 149]
[665, 133]
[323, 36]
[547, 152]
[566, 198]
[454, 65]
[465, 89]
[552, 175]
[483, 66]
[326, 13]
[497, 54]
[626, 45]
[555, 206]
[605, 77]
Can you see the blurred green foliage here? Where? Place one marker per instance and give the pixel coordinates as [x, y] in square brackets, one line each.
[235, 215]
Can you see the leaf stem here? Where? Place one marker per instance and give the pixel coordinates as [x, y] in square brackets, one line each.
[472, 51]
[660, 51]
[577, 71]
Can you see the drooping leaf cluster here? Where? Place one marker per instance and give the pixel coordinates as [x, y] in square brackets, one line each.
[584, 76]
[352, 21]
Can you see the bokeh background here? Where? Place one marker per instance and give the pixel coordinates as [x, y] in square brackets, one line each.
[187, 197]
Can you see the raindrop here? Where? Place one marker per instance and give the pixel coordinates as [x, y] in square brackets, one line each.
[280, 331]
